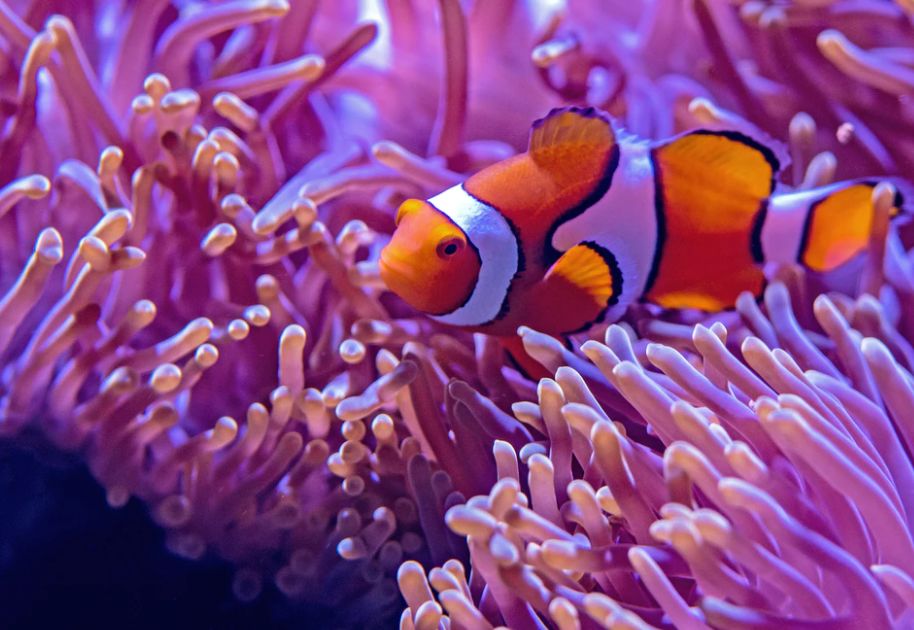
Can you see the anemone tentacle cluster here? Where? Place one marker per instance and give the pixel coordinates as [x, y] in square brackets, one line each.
[193, 195]
[781, 494]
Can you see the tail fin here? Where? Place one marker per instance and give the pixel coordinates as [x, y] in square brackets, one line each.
[838, 224]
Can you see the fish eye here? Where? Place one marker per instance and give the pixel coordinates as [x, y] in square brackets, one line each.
[448, 247]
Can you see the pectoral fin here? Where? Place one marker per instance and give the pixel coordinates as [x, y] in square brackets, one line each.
[578, 288]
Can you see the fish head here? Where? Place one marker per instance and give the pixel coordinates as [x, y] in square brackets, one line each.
[429, 262]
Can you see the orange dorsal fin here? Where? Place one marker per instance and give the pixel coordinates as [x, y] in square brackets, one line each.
[569, 165]
[568, 136]
[577, 289]
[712, 194]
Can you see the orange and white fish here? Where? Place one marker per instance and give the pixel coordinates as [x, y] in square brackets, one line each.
[589, 220]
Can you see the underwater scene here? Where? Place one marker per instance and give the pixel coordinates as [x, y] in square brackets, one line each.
[457, 314]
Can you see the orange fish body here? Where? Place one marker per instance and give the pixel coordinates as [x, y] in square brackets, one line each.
[590, 220]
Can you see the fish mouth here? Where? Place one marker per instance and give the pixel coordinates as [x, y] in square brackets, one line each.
[387, 266]
[400, 276]
[395, 274]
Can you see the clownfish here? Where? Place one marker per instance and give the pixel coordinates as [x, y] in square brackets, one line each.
[590, 220]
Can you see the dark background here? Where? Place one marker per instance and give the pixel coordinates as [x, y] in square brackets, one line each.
[68, 560]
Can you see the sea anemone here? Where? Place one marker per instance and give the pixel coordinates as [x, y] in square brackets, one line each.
[189, 301]
[773, 487]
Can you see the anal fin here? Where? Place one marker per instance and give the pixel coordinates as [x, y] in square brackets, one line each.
[523, 362]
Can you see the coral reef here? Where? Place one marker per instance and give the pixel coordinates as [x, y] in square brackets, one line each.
[192, 200]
